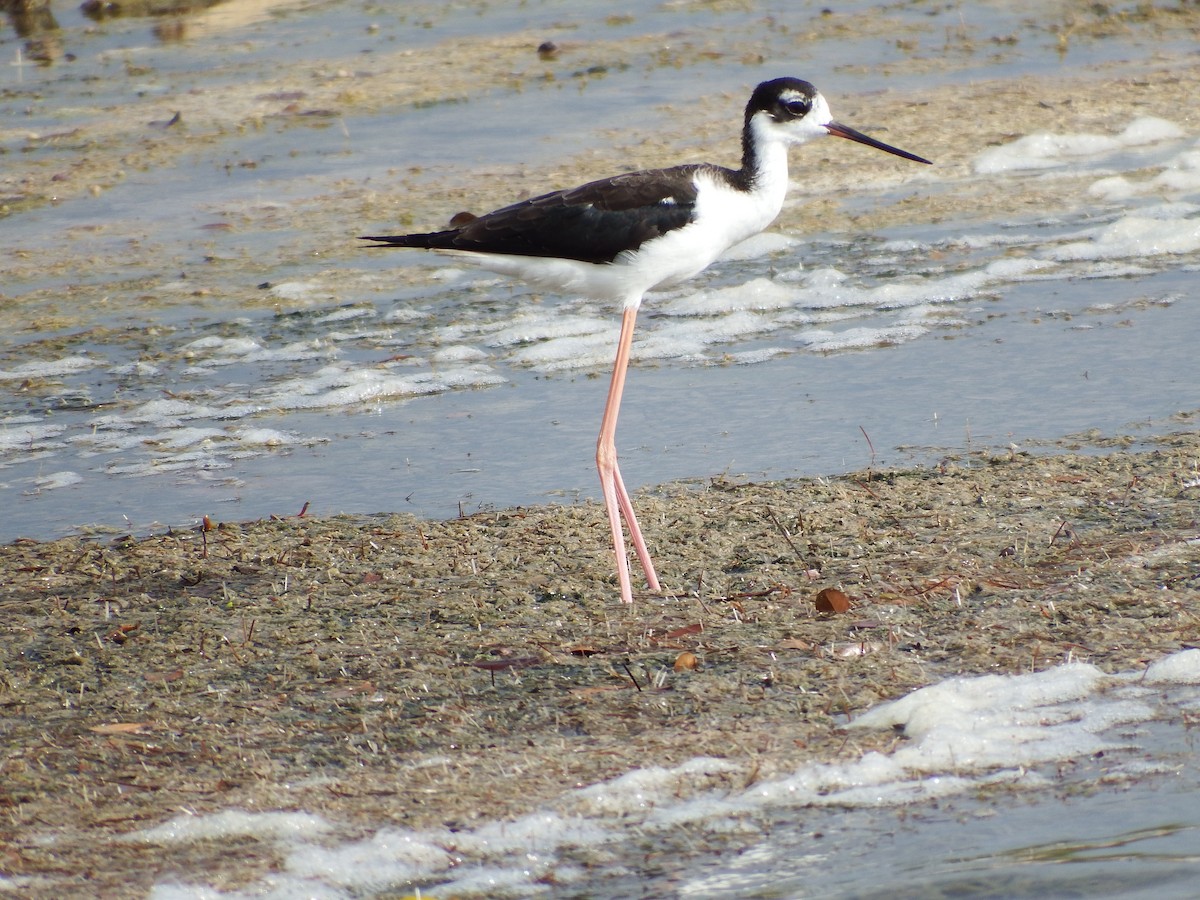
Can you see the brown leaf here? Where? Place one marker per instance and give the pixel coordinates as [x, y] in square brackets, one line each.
[685, 631]
[584, 649]
[686, 661]
[831, 600]
[120, 634]
[793, 644]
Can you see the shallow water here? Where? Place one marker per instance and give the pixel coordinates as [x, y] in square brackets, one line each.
[1090, 835]
[822, 357]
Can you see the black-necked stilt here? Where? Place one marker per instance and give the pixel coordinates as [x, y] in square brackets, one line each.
[618, 238]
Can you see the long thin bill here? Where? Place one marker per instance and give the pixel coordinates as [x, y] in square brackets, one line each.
[845, 131]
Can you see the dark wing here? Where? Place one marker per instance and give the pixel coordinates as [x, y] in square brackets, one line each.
[593, 223]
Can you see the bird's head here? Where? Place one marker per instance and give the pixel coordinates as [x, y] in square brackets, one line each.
[793, 111]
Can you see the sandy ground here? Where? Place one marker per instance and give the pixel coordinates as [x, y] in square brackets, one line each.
[394, 671]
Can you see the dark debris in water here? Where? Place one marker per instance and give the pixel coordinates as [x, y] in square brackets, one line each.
[387, 669]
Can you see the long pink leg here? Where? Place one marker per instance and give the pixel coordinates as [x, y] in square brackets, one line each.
[616, 498]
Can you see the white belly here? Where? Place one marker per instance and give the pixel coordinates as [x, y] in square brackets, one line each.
[724, 217]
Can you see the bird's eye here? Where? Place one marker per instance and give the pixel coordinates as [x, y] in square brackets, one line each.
[797, 108]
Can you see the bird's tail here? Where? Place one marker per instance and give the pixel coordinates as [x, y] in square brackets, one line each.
[435, 240]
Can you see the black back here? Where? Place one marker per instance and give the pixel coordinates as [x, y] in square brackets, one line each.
[594, 222]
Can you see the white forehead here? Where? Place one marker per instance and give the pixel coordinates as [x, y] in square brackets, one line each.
[820, 110]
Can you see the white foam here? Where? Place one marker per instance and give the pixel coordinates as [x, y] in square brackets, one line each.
[757, 293]
[763, 244]
[51, 368]
[338, 386]
[344, 315]
[691, 339]
[266, 437]
[644, 789]
[232, 823]
[458, 353]
[962, 734]
[1046, 150]
[224, 352]
[572, 352]
[28, 436]
[858, 338]
[53, 480]
[298, 290]
[405, 315]
[1115, 187]
[1149, 130]
[1178, 668]
[754, 357]
[227, 346]
[685, 325]
[1152, 231]
[158, 412]
[530, 328]
[825, 288]
[1181, 174]
[178, 438]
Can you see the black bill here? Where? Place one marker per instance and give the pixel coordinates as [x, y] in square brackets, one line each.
[845, 131]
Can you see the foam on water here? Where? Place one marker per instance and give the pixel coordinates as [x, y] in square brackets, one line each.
[24, 434]
[53, 480]
[1045, 150]
[962, 734]
[67, 365]
[1169, 228]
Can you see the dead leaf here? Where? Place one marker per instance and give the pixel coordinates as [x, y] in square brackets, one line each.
[831, 600]
[120, 634]
[793, 644]
[584, 649]
[686, 661]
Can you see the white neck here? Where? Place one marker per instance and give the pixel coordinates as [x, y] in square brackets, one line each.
[768, 169]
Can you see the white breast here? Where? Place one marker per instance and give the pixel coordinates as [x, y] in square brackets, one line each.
[724, 217]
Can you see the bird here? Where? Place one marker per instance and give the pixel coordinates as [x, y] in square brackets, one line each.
[615, 239]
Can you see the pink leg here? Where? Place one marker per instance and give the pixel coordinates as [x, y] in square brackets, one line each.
[616, 498]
